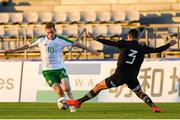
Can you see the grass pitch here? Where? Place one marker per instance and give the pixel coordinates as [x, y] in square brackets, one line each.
[88, 111]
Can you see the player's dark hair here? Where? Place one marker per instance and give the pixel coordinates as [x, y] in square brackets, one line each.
[49, 25]
[133, 33]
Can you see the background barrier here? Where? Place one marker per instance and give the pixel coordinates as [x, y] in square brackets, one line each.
[23, 81]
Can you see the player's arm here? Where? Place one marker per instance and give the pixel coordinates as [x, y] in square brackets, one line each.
[161, 48]
[77, 44]
[18, 49]
[103, 41]
[27, 46]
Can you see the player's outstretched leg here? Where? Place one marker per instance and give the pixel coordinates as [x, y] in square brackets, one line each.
[91, 94]
[75, 103]
[147, 100]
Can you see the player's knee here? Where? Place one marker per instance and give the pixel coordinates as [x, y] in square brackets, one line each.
[99, 86]
[66, 89]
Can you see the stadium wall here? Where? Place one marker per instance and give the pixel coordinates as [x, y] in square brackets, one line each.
[23, 81]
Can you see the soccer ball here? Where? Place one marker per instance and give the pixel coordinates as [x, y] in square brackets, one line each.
[61, 103]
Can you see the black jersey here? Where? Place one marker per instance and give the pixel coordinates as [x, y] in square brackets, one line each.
[132, 54]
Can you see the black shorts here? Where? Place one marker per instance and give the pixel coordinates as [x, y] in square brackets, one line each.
[120, 78]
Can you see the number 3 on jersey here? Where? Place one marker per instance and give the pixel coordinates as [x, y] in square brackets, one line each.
[132, 54]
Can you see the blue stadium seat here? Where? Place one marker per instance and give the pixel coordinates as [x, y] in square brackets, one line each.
[11, 32]
[12, 44]
[60, 17]
[26, 32]
[172, 30]
[103, 16]
[21, 33]
[16, 18]
[173, 33]
[39, 31]
[45, 17]
[125, 32]
[100, 30]
[88, 28]
[70, 31]
[10, 37]
[29, 32]
[30, 17]
[4, 18]
[88, 17]
[114, 30]
[5, 45]
[118, 16]
[132, 16]
[73, 17]
[2, 32]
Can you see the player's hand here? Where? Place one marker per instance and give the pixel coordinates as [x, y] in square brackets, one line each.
[91, 36]
[172, 42]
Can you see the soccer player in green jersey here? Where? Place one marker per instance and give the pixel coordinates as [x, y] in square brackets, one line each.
[51, 48]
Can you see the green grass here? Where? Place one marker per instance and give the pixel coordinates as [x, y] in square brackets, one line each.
[88, 111]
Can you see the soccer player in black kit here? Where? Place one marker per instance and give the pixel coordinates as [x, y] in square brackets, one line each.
[128, 66]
